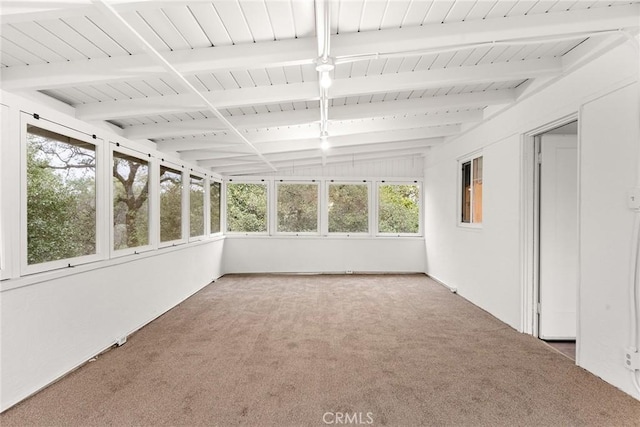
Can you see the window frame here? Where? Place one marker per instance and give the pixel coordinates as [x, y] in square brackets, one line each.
[269, 207]
[418, 183]
[205, 230]
[184, 226]
[370, 206]
[469, 158]
[102, 241]
[276, 215]
[152, 244]
[211, 182]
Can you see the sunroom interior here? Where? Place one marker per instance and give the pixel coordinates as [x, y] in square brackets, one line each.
[150, 148]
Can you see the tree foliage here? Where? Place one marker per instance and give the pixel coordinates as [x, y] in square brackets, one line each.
[246, 207]
[61, 199]
[348, 208]
[399, 209]
[214, 206]
[130, 202]
[170, 204]
[196, 207]
[297, 208]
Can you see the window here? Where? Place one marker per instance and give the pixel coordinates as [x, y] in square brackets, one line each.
[61, 196]
[399, 208]
[130, 201]
[297, 208]
[246, 208]
[471, 200]
[196, 206]
[348, 206]
[170, 204]
[214, 206]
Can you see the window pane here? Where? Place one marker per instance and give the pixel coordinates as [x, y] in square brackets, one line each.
[466, 192]
[61, 196]
[399, 209]
[297, 208]
[170, 204]
[348, 208]
[214, 206]
[246, 208]
[477, 190]
[130, 202]
[196, 202]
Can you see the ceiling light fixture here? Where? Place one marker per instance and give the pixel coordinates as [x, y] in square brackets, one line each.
[324, 142]
[325, 80]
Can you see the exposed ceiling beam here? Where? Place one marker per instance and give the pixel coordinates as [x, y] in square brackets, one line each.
[246, 169]
[337, 113]
[336, 151]
[278, 146]
[396, 82]
[303, 50]
[347, 127]
[108, 10]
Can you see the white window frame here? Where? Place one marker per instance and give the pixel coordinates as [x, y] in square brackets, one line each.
[370, 208]
[277, 184]
[101, 209]
[116, 147]
[213, 180]
[268, 186]
[461, 161]
[184, 230]
[205, 232]
[420, 208]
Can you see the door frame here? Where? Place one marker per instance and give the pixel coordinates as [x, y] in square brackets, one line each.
[530, 224]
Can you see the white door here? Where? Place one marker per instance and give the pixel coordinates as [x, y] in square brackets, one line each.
[558, 237]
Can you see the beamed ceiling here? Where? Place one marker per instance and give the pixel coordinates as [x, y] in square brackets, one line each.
[232, 84]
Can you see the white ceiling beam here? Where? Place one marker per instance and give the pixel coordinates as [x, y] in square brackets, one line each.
[171, 104]
[397, 82]
[438, 123]
[337, 113]
[276, 145]
[312, 153]
[429, 135]
[303, 50]
[245, 169]
[117, 19]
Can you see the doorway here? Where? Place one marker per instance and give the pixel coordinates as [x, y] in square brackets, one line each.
[556, 236]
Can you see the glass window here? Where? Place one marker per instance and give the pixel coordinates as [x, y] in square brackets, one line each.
[297, 209]
[399, 208]
[214, 206]
[130, 201]
[348, 208]
[196, 206]
[246, 208]
[471, 198]
[170, 204]
[61, 196]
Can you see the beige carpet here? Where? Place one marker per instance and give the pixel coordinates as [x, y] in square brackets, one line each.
[292, 350]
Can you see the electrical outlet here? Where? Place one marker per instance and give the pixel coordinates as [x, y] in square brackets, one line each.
[120, 341]
[349, 271]
[632, 359]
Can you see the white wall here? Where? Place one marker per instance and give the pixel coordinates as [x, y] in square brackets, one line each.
[485, 265]
[54, 321]
[51, 327]
[323, 254]
[609, 155]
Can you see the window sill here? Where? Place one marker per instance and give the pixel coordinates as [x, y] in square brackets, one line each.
[35, 278]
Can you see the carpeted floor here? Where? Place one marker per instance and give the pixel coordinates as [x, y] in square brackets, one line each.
[328, 350]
